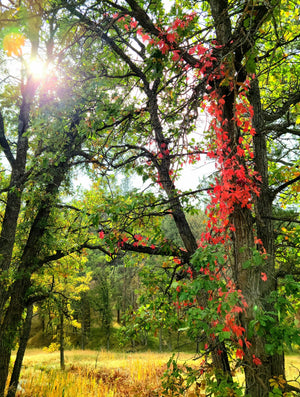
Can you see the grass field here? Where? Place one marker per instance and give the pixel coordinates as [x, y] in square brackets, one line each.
[102, 374]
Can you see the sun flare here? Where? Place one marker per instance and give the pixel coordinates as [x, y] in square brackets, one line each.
[37, 69]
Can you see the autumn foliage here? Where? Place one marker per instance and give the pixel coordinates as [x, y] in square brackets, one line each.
[13, 43]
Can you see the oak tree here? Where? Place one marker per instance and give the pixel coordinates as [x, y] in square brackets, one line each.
[222, 57]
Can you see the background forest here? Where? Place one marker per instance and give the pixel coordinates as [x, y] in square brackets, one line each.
[149, 181]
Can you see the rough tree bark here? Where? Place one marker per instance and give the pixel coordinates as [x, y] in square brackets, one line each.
[16, 295]
[248, 280]
[264, 222]
[9, 320]
[62, 341]
[14, 380]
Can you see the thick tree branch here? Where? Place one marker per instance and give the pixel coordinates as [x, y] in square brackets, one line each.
[285, 185]
[291, 388]
[285, 272]
[282, 219]
[280, 43]
[283, 131]
[281, 111]
[166, 250]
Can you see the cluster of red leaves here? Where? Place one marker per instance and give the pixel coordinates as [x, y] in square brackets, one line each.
[138, 240]
[164, 151]
[168, 38]
[229, 317]
[237, 183]
[228, 303]
[166, 42]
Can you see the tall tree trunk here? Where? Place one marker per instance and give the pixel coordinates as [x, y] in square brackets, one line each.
[249, 281]
[5, 353]
[264, 222]
[29, 262]
[85, 319]
[16, 186]
[160, 334]
[62, 341]
[9, 326]
[170, 344]
[14, 380]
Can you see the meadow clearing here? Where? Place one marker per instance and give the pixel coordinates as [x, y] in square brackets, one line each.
[104, 374]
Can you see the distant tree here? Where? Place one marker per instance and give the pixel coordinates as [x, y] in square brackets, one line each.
[84, 317]
[68, 284]
[102, 301]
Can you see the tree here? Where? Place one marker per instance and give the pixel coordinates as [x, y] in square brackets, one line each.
[128, 95]
[68, 283]
[218, 47]
[101, 302]
[44, 135]
[14, 380]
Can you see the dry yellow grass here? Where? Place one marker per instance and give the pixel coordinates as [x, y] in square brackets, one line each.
[102, 374]
[92, 374]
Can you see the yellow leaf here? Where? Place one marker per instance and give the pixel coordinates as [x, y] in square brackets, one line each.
[13, 43]
[273, 383]
[296, 188]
